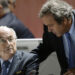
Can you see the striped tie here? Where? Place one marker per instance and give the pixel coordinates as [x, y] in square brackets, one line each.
[4, 67]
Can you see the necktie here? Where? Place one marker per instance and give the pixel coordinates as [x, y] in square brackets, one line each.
[4, 67]
[71, 63]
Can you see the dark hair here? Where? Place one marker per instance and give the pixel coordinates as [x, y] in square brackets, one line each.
[58, 8]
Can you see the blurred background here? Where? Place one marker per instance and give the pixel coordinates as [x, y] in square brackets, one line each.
[27, 11]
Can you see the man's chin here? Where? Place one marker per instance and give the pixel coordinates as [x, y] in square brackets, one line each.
[6, 57]
[58, 35]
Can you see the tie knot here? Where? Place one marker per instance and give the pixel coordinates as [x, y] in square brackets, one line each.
[6, 63]
[68, 35]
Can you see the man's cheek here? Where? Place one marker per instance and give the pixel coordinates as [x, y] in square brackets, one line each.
[1, 53]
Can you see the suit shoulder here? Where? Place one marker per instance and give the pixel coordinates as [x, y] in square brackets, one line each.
[26, 55]
[30, 56]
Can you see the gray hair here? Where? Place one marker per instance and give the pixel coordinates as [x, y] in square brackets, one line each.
[5, 27]
[58, 8]
[13, 1]
[4, 3]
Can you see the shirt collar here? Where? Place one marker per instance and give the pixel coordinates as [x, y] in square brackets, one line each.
[72, 26]
[10, 60]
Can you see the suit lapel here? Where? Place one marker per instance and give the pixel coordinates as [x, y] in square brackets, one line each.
[61, 53]
[14, 64]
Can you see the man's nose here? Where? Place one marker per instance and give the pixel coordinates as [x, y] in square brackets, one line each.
[49, 29]
[8, 42]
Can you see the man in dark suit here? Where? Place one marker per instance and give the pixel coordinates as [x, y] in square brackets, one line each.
[14, 62]
[7, 18]
[59, 34]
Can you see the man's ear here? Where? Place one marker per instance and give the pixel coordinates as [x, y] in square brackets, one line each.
[65, 21]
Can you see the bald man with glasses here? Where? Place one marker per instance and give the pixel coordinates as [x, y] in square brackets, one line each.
[13, 62]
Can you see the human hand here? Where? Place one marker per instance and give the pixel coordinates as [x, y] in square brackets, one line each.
[70, 72]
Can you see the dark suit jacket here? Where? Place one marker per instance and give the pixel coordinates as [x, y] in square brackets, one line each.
[23, 64]
[50, 44]
[12, 21]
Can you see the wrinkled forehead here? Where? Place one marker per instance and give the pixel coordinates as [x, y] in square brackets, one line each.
[6, 33]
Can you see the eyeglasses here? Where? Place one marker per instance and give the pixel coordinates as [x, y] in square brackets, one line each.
[2, 40]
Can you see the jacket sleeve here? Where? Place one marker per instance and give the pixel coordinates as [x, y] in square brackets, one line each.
[32, 66]
[47, 46]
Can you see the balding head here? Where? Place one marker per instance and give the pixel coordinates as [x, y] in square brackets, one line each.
[7, 30]
[7, 42]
